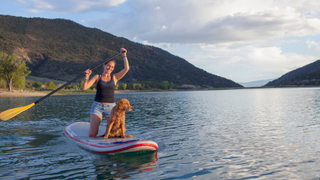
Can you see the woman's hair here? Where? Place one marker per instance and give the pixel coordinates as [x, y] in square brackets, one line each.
[110, 61]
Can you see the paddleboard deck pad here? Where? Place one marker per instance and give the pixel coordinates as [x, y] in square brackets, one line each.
[78, 133]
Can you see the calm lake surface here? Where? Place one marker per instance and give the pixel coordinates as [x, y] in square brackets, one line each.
[222, 134]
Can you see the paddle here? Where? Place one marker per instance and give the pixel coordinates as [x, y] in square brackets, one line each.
[8, 114]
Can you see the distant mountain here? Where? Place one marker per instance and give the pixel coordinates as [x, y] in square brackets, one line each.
[62, 49]
[308, 75]
[255, 83]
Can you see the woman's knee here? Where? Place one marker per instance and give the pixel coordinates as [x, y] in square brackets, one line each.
[94, 125]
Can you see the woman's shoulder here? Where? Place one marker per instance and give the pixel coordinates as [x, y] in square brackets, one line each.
[97, 76]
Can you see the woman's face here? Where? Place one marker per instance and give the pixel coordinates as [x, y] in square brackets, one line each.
[109, 67]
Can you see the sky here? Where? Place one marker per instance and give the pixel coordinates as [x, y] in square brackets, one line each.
[241, 40]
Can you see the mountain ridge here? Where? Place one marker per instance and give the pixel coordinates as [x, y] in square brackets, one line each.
[307, 75]
[62, 49]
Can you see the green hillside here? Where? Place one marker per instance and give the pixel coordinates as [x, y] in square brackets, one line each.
[308, 75]
[62, 49]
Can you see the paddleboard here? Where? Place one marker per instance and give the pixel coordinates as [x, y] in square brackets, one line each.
[78, 133]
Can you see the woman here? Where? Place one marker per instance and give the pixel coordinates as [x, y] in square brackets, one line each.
[104, 100]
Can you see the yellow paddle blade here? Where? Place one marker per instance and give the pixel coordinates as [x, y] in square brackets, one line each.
[8, 114]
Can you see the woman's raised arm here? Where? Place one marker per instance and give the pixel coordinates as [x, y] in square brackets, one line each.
[126, 68]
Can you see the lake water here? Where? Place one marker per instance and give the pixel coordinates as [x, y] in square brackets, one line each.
[221, 134]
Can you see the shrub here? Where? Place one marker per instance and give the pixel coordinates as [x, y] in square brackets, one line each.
[37, 84]
[51, 85]
[76, 87]
[29, 84]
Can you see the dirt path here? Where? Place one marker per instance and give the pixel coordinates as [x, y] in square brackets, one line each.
[17, 93]
[4, 93]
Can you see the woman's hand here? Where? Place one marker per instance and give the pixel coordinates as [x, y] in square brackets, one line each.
[88, 72]
[124, 52]
[86, 83]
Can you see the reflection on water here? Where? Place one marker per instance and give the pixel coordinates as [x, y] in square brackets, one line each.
[124, 165]
[223, 134]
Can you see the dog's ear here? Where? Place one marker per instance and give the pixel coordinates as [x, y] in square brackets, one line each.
[120, 105]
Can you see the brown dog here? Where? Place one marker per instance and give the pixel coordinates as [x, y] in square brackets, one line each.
[116, 126]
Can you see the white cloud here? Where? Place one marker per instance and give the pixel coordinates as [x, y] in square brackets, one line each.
[71, 6]
[164, 27]
[213, 22]
[313, 44]
[245, 63]
[192, 21]
[40, 5]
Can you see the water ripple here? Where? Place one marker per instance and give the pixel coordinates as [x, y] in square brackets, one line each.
[224, 134]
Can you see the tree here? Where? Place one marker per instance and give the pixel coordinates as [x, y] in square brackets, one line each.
[20, 82]
[165, 84]
[124, 86]
[80, 84]
[136, 86]
[3, 83]
[171, 85]
[12, 68]
[51, 85]
[117, 86]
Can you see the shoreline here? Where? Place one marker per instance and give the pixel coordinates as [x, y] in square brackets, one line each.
[24, 93]
[19, 93]
[4, 93]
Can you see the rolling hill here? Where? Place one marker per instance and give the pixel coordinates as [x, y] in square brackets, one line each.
[308, 75]
[62, 49]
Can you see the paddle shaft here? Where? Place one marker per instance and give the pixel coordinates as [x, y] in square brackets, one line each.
[39, 100]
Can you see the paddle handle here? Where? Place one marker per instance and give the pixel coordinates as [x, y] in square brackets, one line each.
[39, 100]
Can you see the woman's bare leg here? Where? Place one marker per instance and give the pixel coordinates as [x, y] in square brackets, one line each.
[95, 121]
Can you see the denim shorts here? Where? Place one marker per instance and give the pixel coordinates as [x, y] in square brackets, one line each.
[101, 109]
